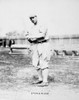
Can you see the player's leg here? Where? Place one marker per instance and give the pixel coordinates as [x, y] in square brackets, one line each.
[44, 72]
[35, 62]
[44, 60]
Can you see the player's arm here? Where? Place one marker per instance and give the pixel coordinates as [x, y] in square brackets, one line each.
[27, 35]
[44, 32]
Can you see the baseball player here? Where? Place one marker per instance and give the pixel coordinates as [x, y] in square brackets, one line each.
[40, 46]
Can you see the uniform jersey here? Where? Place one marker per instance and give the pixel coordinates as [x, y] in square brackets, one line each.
[37, 31]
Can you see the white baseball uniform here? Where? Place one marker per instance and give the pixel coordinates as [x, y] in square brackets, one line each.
[41, 50]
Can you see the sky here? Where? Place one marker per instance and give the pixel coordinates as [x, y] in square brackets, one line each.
[61, 17]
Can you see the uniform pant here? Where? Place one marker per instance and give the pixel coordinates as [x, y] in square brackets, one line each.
[41, 55]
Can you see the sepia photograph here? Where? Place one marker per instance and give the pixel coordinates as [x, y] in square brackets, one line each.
[39, 49]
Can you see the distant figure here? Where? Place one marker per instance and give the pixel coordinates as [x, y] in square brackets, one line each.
[4, 42]
[11, 42]
[1, 42]
[40, 46]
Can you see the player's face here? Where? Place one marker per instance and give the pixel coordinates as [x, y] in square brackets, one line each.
[34, 20]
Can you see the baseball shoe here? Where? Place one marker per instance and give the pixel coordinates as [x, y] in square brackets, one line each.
[37, 82]
[43, 84]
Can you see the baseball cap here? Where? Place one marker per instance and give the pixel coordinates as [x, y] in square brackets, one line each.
[32, 16]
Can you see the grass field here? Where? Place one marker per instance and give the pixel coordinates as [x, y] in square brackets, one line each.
[17, 72]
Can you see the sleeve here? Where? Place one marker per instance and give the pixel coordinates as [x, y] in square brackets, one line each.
[46, 34]
[44, 31]
[27, 33]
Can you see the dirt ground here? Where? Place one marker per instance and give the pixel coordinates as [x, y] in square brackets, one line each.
[17, 75]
